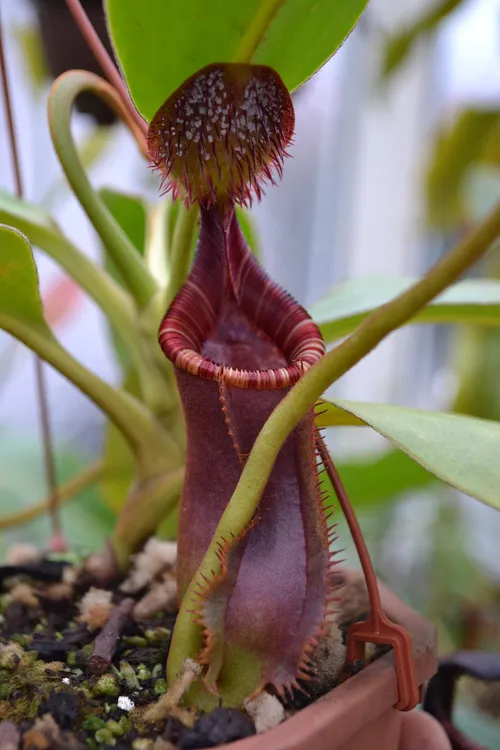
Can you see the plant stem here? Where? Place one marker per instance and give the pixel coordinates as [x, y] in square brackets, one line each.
[180, 254]
[62, 97]
[153, 448]
[109, 68]
[146, 507]
[240, 510]
[112, 299]
[257, 29]
[66, 492]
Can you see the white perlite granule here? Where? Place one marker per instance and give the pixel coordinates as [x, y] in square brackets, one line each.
[266, 711]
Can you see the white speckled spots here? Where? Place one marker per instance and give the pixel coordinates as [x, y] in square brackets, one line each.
[230, 124]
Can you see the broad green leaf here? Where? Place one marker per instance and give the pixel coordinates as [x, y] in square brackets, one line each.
[462, 451]
[379, 481]
[19, 297]
[471, 302]
[160, 43]
[330, 415]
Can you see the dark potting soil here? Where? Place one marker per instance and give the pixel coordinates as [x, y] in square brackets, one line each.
[46, 671]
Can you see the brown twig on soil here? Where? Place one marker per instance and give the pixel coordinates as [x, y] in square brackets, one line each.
[106, 642]
[57, 539]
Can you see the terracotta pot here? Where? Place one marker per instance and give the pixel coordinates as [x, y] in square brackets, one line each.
[359, 714]
[66, 49]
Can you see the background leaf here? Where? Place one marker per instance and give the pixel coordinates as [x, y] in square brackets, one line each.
[86, 520]
[117, 456]
[130, 213]
[20, 298]
[462, 451]
[381, 480]
[337, 314]
[160, 43]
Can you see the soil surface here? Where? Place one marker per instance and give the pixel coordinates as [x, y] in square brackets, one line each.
[76, 677]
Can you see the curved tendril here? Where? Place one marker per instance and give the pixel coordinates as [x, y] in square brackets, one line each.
[63, 93]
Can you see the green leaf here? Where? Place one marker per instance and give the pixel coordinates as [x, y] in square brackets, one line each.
[86, 520]
[130, 212]
[471, 302]
[160, 43]
[459, 450]
[19, 299]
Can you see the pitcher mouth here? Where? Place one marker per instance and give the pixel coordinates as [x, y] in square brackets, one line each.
[226, 279]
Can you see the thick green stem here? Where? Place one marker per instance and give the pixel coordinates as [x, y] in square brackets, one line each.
[180, 254]
[239, 512]
[114, 301]
[147, 505]
[62, 97]
[154, 450]
[257, 30]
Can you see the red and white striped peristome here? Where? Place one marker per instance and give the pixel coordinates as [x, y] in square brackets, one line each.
[227, 274]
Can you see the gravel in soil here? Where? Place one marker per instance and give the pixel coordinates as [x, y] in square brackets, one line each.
[48, 693]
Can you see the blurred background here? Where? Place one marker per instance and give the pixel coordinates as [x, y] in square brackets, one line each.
[396, 154]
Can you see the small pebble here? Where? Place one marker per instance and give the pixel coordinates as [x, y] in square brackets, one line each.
[125, 703]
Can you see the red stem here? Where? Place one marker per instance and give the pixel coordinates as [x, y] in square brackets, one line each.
[354, 528]
[109, 68]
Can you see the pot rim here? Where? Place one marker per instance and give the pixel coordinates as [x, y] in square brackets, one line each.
[358, 701]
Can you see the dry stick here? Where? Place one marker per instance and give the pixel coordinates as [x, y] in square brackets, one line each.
[48, 451]
[104, 59]
[106, 642]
